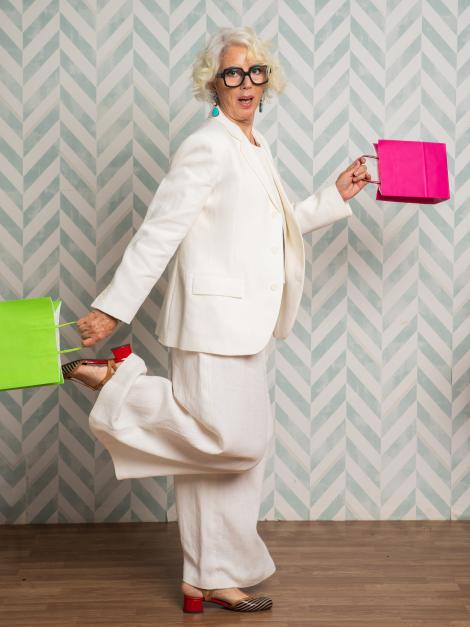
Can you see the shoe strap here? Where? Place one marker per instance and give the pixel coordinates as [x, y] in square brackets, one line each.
[207, 594]
[111, 370]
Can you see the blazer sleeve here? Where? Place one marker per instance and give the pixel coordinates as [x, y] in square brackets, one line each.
[321, 209]
[176, 204]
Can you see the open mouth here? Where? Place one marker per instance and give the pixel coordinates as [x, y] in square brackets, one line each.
[246, 99]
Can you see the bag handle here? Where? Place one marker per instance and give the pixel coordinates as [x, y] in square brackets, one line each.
[68, 350]
[372, 157]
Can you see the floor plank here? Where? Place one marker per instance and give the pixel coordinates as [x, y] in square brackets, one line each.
[358, 574]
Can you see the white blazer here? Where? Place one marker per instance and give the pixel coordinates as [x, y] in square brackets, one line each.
[227, 293]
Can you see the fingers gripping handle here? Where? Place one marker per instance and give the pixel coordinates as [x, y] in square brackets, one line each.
[372, 157]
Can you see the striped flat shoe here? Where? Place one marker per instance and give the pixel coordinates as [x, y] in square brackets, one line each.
[252, 603]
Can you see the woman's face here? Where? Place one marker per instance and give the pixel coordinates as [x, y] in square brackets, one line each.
[229, 97]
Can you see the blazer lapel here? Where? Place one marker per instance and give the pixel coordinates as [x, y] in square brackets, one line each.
[284, 199]
[258, 168]
[247, 152]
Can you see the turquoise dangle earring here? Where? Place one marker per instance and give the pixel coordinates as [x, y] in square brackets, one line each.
[215, 110]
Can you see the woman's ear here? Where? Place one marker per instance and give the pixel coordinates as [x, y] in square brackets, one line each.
[213, 95]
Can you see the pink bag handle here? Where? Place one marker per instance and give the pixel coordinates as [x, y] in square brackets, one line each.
[372, 157]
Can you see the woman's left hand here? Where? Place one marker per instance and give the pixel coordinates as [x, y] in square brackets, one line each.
[353, 179]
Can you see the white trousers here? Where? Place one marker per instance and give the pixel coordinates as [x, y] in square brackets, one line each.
[210, 426]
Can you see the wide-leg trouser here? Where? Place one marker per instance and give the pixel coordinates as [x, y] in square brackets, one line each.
[210, 427]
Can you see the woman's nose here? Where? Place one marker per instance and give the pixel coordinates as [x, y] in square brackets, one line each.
[246, 80]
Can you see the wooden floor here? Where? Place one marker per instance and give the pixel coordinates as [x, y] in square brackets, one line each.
[382, 574]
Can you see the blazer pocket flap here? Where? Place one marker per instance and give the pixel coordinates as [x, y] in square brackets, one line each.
[218, 285]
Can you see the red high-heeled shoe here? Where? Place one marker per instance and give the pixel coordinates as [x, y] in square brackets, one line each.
[120, 353]
[250, 604]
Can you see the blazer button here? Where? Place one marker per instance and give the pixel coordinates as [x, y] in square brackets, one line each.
[274, 286]
[274, 249]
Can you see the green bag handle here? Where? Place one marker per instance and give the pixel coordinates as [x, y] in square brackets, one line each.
[69, 350]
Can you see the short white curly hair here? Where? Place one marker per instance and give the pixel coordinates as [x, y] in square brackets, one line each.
[207, 62]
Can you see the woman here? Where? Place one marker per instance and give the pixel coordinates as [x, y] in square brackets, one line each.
[236, 280]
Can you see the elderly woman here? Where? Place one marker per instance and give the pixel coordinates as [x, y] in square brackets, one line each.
[235, 281]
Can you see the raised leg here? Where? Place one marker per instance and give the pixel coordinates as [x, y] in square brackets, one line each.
[200, 422]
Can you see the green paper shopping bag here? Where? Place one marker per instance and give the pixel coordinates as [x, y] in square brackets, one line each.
[30, 343]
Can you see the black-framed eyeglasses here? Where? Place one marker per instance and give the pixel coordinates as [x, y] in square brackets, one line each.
[234, 76]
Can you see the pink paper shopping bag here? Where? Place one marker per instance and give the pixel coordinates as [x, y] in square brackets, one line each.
[411, 171]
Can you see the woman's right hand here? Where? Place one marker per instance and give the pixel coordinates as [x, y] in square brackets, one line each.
[96, 326]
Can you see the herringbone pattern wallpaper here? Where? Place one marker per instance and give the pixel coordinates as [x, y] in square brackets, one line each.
[371, 389]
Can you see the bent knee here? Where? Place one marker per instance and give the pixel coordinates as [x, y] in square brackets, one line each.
[249, 455]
